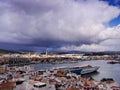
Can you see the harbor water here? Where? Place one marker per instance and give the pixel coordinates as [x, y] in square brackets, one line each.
[105, 70]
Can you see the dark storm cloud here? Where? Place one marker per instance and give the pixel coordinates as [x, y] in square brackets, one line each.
[55, 23]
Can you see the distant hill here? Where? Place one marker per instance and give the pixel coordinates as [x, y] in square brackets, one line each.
[26, 51]
[3, 51]
[87, 53]
[103, 53]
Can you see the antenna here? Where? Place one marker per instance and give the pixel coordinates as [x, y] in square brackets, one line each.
[46, 51]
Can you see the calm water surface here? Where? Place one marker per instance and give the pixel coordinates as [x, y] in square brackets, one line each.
[105, 70]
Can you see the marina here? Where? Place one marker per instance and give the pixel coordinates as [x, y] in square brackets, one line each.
[105, 70]
[98, 75]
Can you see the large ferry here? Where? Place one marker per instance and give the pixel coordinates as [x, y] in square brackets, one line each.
[84, 69]
[80, 69]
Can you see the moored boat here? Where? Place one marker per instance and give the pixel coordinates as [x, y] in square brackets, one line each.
[113, 62]
[84, 69]
[39, 85]
[81, 69]
[20, 81]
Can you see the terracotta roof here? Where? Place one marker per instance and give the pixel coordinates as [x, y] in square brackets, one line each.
[7, 84]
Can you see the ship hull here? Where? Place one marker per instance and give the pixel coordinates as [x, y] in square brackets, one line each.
[85, 70]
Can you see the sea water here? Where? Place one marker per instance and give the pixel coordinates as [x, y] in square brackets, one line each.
[105, 70]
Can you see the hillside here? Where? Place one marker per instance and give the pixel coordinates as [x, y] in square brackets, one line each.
[3, 51]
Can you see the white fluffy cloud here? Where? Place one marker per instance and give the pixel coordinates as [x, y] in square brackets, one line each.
[92, 47]
[109, 40]
[68, 21]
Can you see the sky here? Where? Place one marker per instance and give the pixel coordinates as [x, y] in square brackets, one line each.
[62, 25]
